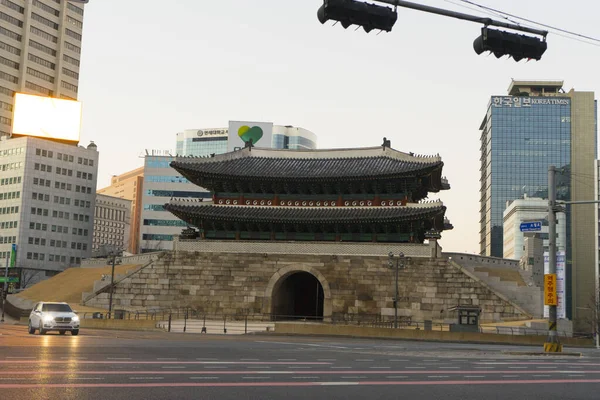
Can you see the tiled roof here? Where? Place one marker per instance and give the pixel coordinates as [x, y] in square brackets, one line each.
[305, 215]
[306, 169]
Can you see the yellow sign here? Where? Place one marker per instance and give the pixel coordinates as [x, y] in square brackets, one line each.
[550, 298]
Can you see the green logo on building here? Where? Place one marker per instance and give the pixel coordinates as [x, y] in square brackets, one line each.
[246, 134]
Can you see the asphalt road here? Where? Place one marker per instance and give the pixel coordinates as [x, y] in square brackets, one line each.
[132, 365]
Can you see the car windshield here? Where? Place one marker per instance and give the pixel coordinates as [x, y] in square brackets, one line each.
[56, 307]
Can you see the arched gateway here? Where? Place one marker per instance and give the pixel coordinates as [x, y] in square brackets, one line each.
[298, 292]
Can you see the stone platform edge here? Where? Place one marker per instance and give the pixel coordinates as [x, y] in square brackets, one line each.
[313, 329]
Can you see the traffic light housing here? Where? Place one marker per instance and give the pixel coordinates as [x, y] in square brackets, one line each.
[502, 43]
[351, 12]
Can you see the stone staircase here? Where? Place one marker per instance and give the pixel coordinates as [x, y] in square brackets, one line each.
[517, 285]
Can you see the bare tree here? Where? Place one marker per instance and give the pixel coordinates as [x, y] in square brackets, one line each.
[27, 277]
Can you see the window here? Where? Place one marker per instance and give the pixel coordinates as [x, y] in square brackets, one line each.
[12, 6]
[41, 61]
[9, 77]
[42, 34]
[68, 86]
[48, 9]
[41, 47]
[70, 73]
[11, 20]
[70, 60]
[44, 21]
[75, 9]
[73, 34]
[7, 92]
[5, 121]
[40, 75]
[9, 63]
[10, 34]
[38, 88]
[75, 22]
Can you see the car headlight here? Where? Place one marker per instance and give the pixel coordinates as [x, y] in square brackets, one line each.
[48, 319]
[75, 318]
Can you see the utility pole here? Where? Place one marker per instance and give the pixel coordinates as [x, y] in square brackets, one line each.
[552, 344]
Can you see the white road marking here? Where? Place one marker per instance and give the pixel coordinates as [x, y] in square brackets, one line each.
[86, 379]
[578, 376]
[146, 377]
[262, 367]
[339, 383]
[574, 366]
[306, 377]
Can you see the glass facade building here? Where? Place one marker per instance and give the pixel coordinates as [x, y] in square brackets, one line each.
[521, 137]
[292, 138]
[536, 125]
[201, 142]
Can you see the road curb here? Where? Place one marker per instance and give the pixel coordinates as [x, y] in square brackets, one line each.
[541, 353]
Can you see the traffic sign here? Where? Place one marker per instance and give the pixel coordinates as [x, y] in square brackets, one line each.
[550, 297]
[535, 226]
[10, 279]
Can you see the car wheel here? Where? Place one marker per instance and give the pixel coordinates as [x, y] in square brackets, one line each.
[42, 331]
[62, 332]
[75, 332]
[31, 329]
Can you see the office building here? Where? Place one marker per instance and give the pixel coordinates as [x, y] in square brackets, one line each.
[206, 142]
[528, 210]
[129, 186]
[40, 51]
[47, 197]
[112, 216]
[536, 125]
[162, 184]
[293, 138]
[201, 142]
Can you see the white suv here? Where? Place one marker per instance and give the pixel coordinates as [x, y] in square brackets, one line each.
[47, 316]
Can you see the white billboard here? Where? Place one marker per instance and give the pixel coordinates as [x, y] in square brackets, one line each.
[561, 284]
[46, 117]
[241, 132]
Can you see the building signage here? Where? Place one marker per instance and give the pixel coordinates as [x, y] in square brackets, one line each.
[211, 132]
[550, 298]
[561, 285]
[519, 102]
[243, 132]
[535, 226]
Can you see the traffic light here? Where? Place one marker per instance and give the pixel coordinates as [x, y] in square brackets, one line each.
[503, 43]
[351, 12]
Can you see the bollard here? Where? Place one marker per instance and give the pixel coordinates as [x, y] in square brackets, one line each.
[246, 325]
[224, 321]
[169, 322]
[185, 321]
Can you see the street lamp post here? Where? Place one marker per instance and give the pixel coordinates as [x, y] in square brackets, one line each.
[391, 265]
[113, 254]
[5, 286]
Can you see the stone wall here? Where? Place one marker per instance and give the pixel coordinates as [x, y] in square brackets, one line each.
[236, 283]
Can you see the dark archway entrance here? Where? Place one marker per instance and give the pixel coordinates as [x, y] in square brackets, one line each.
[298, 296]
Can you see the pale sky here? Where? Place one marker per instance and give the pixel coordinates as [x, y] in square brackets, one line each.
[152, 68]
